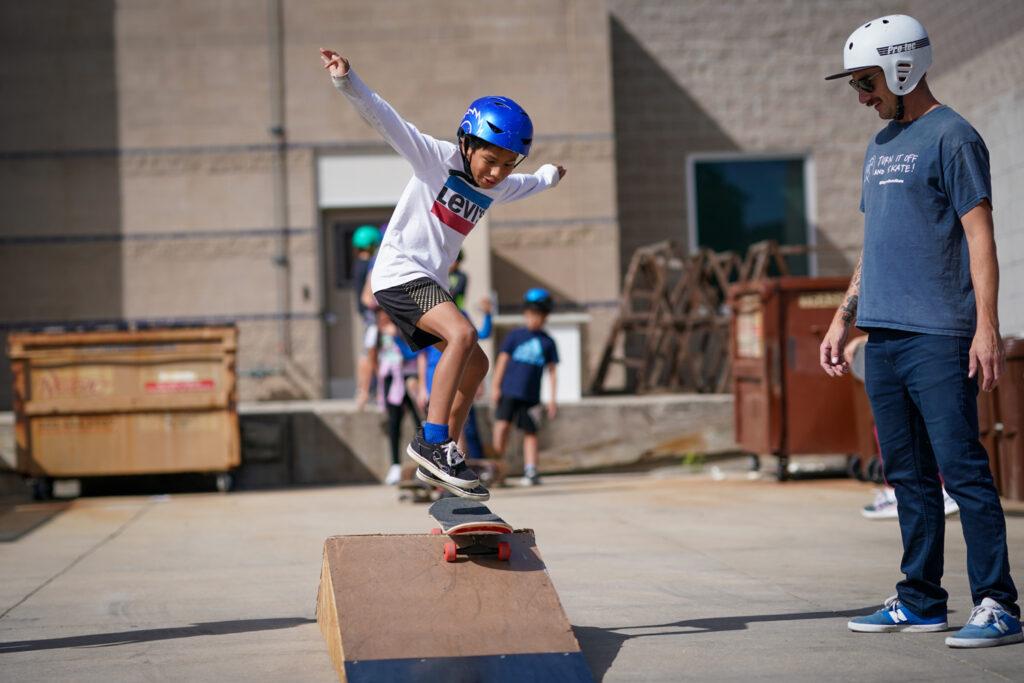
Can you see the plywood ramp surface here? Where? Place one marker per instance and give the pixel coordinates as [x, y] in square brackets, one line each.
[393, 600]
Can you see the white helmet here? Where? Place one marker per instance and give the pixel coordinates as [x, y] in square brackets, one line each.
[897, 43]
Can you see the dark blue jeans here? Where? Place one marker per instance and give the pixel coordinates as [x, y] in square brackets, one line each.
[926, 411]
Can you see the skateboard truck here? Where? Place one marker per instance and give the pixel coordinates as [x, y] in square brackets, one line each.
[472, 528]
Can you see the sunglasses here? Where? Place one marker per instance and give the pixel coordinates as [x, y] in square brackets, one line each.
[865, 84]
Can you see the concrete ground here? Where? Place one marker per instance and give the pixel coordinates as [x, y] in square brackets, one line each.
[666, 576]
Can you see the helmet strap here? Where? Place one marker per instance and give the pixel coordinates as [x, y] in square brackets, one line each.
[899, 108]
[467, 172]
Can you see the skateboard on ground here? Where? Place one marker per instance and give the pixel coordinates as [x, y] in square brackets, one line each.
[412, 489]
[473, 529]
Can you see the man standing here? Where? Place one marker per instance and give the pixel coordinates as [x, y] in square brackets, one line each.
[925, 289]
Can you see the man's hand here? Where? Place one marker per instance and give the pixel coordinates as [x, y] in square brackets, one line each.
[334, 63]
[496, 397]
[561, 172]
[552, 410]
[987, 357]
[831, 349]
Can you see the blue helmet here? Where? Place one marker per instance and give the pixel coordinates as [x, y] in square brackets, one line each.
[539, 299]
[499, 121]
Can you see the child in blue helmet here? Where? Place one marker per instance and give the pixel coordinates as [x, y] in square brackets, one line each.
[452, 187]
[525, 353]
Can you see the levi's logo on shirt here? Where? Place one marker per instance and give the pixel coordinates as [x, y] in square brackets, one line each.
[459, 206]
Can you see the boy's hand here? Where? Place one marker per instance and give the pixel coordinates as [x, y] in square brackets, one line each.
[561, 172]
[552, 410]
[334, 63]
[485, 305]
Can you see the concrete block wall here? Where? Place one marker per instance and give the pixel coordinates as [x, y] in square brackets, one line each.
[744, 75]
[141, 179]
[980, 54]
[329, 442]
[714, 76]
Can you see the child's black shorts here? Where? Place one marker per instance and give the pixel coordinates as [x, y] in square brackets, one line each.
[406, 303]
[516, 410]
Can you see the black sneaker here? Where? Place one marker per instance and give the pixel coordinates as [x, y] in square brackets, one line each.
[478, 494]
[443, 462]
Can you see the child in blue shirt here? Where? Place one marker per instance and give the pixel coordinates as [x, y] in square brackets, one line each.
[525, 354]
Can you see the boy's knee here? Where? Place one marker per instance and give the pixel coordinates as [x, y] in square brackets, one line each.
[464, 337]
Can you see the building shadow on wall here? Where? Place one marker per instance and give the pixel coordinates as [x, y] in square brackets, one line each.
[298, 449]
[657, 124]
[513, 282]
[60, 169]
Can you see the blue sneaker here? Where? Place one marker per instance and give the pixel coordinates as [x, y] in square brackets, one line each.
[989, 625]
[895, 616]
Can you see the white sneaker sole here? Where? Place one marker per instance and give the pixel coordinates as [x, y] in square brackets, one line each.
[953, 641]
[879, 515]
[894, 628]
[479, 493]
[447, 480]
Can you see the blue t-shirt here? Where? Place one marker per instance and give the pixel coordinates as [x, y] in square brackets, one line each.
[919, 179]
[528, 354]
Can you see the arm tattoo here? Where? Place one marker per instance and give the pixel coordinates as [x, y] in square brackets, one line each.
[849, 309]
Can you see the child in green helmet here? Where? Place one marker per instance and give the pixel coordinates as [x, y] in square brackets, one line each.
[365, 241]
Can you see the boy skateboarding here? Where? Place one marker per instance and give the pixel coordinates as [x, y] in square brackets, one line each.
[452, 187]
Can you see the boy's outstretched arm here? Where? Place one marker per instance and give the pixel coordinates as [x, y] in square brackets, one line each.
[552, 402]
[419, 149]
[521, 185]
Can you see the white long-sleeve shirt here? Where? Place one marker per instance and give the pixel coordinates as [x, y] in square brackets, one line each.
[437, 209]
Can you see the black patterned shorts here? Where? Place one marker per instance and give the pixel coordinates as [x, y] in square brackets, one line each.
[406, 303]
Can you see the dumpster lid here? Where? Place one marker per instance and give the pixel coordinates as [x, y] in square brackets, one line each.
[1014, 347]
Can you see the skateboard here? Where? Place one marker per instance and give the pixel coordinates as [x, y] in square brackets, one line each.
[472, 528]
[412, 489]
[417, 491]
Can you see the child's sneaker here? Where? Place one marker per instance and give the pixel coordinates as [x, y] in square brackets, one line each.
[530, 477]
[884, 506]
[444, 462]
[989, 625]
[479, 493]
[394, 475]
[895, 616]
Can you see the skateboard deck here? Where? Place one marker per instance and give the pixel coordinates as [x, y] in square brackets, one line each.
[472, 527]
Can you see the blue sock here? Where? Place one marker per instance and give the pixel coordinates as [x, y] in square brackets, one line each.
[433, 433]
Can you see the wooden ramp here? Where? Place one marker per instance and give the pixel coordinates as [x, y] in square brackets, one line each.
[390, 608]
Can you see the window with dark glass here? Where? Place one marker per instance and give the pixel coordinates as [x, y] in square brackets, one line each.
[738, 202]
